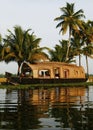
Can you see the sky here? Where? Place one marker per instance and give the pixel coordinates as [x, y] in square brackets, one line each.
[39, 16]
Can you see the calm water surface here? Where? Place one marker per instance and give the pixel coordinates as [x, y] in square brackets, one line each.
[58, 108]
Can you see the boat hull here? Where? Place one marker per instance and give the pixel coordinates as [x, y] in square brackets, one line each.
[27, 80]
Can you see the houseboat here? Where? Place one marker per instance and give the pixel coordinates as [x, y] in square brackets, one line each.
[50, 72]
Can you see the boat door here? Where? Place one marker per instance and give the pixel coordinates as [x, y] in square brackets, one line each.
[57, 72]
[66, 73]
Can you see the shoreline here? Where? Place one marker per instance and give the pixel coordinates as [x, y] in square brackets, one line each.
[33, 86]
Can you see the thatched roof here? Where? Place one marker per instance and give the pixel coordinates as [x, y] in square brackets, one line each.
[50, 64]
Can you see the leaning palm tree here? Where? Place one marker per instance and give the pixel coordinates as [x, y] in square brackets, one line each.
[22, 45]
[15, 42]
[69, 19]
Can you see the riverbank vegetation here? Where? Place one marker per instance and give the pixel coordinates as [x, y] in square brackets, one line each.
[33, 86]
[23, 45]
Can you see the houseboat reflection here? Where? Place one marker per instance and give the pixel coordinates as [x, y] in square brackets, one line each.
[29, 108]
[50, 95]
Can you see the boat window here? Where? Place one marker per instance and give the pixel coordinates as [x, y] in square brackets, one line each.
[44, 73]
[76, 72]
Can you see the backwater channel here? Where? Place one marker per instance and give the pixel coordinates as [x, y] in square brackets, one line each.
[55, 108]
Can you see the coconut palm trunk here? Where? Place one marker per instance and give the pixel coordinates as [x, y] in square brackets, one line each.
[67, 54]
[18, 72]
[79, 60]
[87, 66]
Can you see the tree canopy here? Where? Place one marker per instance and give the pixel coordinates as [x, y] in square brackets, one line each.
[23, 45]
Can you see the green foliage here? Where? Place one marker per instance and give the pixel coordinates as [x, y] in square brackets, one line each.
[33, 86]
[59, 52]
[69, 20]
[2, 75]
[22, 46]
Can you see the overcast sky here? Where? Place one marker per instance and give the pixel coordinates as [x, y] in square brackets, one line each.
[38, 15]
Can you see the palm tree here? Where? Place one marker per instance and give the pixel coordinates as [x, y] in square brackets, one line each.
[15, 42]
[87, 51]
[3, 50]
[88, 41]
[69, 19]
[22, 45]
[88, 31]
[77, 44]
[59, 52]
[32, 50]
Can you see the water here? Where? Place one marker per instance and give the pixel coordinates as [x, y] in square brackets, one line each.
[57, 108]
